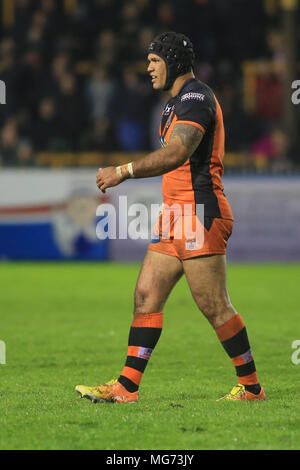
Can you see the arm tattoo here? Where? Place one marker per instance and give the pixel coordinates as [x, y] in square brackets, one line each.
[190, 136]
[184, 140]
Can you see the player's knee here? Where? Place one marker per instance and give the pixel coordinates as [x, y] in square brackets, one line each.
[146, 301]
[206, 306]
[141, 297]
[212, 307]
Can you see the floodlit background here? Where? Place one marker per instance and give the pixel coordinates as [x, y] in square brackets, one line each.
[78, 97]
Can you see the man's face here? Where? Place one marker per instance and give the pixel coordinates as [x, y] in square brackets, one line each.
[157, 70]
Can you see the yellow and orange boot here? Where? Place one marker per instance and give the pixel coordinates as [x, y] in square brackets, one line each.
[112, 391]
[239, 393]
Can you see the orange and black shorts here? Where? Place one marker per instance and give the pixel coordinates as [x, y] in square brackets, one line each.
[187, 237]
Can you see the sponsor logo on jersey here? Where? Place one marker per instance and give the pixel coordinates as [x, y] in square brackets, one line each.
[193, 96]
[167, 110]
[190, 245]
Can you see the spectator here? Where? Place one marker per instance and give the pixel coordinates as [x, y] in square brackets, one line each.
[71, 109]
[99, 91]
[128, 112]
[23, 18]
[100, 138]
[31, 75]
[25, 155]
[61, 64]
[130, 28]
[269, 94]
[47, 131]
[14, 151]
[9, 143]
[35, 33]
[276, 47]
[107, 49]
[241, 129]
[272, 151]
[166, 16]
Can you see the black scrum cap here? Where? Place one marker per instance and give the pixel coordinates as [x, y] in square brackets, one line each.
[177, 51]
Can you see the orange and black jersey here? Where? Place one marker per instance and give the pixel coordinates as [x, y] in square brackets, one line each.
[198, 180]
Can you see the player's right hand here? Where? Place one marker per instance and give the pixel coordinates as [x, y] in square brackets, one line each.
[107, 178]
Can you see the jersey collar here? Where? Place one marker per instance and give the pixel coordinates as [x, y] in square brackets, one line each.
[188, 82]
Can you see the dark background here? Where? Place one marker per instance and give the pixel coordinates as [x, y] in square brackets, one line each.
[76, 82]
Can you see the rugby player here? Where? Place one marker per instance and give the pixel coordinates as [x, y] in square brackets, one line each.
[191, 162]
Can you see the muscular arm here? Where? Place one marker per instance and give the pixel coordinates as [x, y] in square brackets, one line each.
[184, 140]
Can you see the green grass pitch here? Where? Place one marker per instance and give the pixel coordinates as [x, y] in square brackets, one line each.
[67, 324]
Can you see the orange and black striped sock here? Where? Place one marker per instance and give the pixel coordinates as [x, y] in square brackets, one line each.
[143, 336]
[234, 339]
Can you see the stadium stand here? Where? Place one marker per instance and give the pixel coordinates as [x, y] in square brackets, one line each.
[77, 90]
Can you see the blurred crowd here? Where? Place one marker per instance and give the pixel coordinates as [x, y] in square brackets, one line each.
[75, 75]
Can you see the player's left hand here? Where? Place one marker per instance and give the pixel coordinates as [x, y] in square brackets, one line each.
[107, 178]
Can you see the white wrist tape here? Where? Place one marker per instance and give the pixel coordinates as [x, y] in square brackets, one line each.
[130, 169]
[119, 172]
